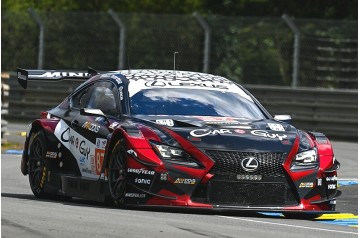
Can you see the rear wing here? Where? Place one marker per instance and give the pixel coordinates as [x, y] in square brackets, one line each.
[24, 75]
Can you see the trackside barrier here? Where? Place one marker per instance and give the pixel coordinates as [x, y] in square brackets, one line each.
[5, 89]
[332, 112]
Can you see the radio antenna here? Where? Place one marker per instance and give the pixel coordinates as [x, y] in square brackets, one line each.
[175, 53]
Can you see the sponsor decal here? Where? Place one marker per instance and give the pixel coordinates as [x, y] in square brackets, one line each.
[276, 127]
[334, 178]
[164, 176]
[268, 135]
[65, 135]
[51, 155]
[101, 143]
[166, 79]
[93, 164]
[91, 127]
[86, 170]
[160, 84]
[142, 181]
[140, 171]
[222, 123]
[81, 148]
[239, 131]
[165, 122]
[185, 181]
[331, 186]
[135, 195]
[250, 164]
[220, 120]
[114, 125]
[82, 161]
[118, 80]
[121, 93]
[319, 182]
[306, 185]
[61, 74]
[151, 75]
[248, 177]
[207, 132]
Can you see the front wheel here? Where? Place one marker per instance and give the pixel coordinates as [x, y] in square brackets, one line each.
[117, 173]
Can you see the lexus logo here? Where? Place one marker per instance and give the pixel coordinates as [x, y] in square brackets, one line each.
[250, 164]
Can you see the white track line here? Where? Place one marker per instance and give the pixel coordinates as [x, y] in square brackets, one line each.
[287, 225]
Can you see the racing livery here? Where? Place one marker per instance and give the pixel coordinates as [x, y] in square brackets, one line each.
[175, 138]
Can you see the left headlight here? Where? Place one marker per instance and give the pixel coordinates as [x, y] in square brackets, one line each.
[305, 160]
[174, 155]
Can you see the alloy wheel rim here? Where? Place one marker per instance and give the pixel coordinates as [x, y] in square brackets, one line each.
[36, 164]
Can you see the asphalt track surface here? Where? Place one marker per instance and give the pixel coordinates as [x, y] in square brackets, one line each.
[22, 215]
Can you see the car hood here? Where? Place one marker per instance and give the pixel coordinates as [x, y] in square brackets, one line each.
[227, 133]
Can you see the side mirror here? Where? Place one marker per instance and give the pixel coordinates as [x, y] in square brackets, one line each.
[284, 118]
[93, 112]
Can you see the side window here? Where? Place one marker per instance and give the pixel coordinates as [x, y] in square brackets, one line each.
[105, 97]
[81, 99]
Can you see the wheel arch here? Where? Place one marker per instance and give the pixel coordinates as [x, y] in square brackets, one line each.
[34, 127]
[44, 125]
[114, 138]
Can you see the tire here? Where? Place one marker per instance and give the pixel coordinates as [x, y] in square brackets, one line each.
[302, 216]
[117, 174]
[36, 164]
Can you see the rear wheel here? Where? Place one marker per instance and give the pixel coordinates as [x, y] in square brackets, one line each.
[36, 164]
[117, 173]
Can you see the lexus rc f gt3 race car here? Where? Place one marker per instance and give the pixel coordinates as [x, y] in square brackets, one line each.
[174, 138]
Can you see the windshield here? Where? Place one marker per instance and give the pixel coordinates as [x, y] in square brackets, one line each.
[196, 102]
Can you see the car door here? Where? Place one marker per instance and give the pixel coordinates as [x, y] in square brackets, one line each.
[89, 131]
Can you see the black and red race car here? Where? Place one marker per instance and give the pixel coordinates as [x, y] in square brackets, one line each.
[175, 138]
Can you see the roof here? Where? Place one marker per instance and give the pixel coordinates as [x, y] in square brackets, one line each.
[172, 75]
[151, 78]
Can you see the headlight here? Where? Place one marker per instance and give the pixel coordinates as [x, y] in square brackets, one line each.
[305, 160]
[309, 156]
[174, 155]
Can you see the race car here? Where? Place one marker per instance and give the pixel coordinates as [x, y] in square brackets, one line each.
[177, 139]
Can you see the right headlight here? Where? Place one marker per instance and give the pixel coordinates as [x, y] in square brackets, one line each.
[305, 160]
[174, 155]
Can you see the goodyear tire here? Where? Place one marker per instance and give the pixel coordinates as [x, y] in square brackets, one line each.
[36, 164]
[117, 173]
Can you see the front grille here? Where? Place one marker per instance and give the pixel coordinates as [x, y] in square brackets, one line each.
[250, 194]
[227, 186]
[228, 163]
